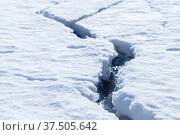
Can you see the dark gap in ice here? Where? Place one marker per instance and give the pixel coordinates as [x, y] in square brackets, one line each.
[106, 87]
[78, 30]
[81, 32]
[125, 53]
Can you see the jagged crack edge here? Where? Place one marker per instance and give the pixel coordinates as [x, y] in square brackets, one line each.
[82, 33]
[78, 30]
[107, 87]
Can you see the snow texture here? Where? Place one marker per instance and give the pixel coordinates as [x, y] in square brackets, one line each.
[52, 54]
[148, 86]
[46, 71]
[76, 10]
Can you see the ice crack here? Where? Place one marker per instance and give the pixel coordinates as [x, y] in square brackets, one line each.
[99, 11]
[125, 52]
[78, 30]
[107, 87]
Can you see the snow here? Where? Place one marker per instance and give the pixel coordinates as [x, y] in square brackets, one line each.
[148, 86]
[46, 71]
[75, 10]
[53, 53]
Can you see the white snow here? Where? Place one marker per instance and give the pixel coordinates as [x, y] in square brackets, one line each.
[47, 72]
[72, 10]
[149, 84]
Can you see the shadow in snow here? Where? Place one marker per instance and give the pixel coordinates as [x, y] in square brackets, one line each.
[107, 87]
[173, 49]
[36, 79]
[99, 11]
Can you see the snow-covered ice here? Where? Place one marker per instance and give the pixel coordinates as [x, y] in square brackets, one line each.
[149, 84]
[48, 72]
[75, 10]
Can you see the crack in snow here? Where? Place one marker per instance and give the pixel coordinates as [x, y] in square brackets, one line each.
[99, 11]
[125, 52]
[78, 30]
[107, 87]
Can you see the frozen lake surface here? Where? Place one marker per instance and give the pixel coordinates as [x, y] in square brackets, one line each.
[55, 53]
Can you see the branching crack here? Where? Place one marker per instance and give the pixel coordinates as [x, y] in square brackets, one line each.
[78, 30]
[99, 11]
[125, 52]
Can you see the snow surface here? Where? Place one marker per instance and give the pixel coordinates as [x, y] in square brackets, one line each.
[75, 10]
[46, 71]
[149, 84]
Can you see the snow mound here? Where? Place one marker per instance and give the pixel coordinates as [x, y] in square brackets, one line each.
[127, 105]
